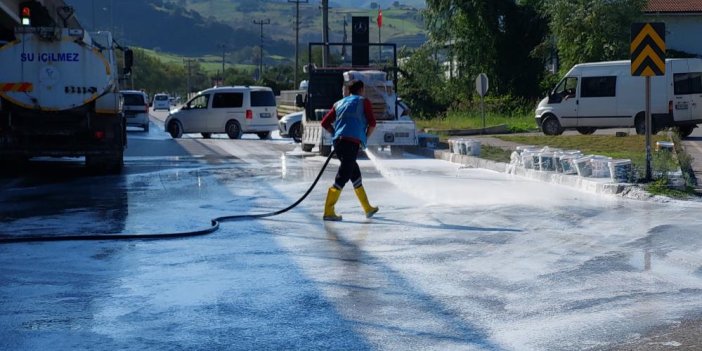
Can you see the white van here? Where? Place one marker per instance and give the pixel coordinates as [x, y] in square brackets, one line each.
[161, 102]
[232, 110]
[606, 95]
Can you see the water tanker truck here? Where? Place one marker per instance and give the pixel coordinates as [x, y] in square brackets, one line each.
[59, 94]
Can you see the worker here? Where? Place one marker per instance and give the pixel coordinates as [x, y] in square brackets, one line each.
[351, 122]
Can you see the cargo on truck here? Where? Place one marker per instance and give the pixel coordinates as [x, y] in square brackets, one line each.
[60, 94]
[394, 129]
[606, 95]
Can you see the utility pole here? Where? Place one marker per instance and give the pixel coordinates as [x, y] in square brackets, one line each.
[297, 36]
[188, 63]
[325, 32]
[223, 46]
[343, 48]
[260, 58]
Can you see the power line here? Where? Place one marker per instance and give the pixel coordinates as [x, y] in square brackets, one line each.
[260, 56]
[297, 35]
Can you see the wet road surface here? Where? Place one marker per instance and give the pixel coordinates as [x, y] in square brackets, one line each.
[460, 259]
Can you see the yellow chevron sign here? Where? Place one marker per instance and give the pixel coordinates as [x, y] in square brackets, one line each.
[647, 49]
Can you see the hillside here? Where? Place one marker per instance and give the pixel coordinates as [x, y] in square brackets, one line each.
[200, 27]
[404, 22]
[164, 26]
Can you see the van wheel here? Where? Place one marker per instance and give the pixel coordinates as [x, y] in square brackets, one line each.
[550, 126]
[206, 135]
[640, 124]
[307, 147]
[175, 129]
[146, 127]
[685, 131]
[233, 130]
[263, 135]
[586, 130]
[296, 132]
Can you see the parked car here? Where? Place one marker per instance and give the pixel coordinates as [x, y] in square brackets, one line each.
[162, 102]
[290, 126]
[233, 110]
[136, 108]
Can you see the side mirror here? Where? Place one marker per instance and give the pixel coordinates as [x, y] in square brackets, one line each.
[298, 101]
[128, 61]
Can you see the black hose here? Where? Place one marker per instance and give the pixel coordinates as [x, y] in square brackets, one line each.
[214, 225]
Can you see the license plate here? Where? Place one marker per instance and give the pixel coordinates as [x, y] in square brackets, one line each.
[265, 115]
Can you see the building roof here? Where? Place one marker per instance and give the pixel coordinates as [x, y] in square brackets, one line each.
[674, 6]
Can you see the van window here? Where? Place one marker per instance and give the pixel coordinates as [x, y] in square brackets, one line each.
[262, 98]
[598, 86]
[567, 87]
[161, 97]
[227, 100]
[687, 83]
[134, 99]
[199, 102]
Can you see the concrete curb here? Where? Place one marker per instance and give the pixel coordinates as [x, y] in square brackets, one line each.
[594, 185]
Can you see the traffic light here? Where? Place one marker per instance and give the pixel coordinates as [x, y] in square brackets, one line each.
[26, 15]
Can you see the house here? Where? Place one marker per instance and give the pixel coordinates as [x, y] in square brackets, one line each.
[683, 23]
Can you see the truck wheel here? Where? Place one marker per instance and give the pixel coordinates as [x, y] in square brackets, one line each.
[325, 150]
[396, 151]
[307, 147]
[146, 127]
[105, 164]
[233, 130]
[296, 132]
[175, 129]
[586, 130]
[263, 135]
[550, 126]
[685, 131]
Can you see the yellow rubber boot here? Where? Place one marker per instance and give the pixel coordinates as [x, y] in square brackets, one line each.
[332, 197]
[363, 198]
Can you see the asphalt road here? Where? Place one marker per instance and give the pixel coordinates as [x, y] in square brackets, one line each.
[456, 259]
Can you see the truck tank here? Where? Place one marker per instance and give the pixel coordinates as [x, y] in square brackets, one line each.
[59, 96]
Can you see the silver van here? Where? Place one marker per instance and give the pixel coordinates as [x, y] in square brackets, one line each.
[233, 110]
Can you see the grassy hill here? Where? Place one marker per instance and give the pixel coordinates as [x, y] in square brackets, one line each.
[198, 28]
[397, 22]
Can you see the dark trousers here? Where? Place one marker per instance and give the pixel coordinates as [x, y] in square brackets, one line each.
[346, 152]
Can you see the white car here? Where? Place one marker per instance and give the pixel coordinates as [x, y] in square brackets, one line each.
[232, 110]
[290, 126]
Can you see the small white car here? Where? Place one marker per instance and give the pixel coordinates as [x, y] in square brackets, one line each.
[290, 126]
[162, 102]
[233, 110]
[136, 108]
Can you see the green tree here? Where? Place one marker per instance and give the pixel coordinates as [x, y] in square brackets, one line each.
[592, 30]
[496, 37]
[422, 84]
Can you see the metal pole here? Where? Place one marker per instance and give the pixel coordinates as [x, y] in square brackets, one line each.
[188, 62]
[297, 36]
[224, 48]
[649, 126]
[260, 58]
[325, 32]
[482, 113]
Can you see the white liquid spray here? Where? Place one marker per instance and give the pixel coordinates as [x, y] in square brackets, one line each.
[413, 185]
